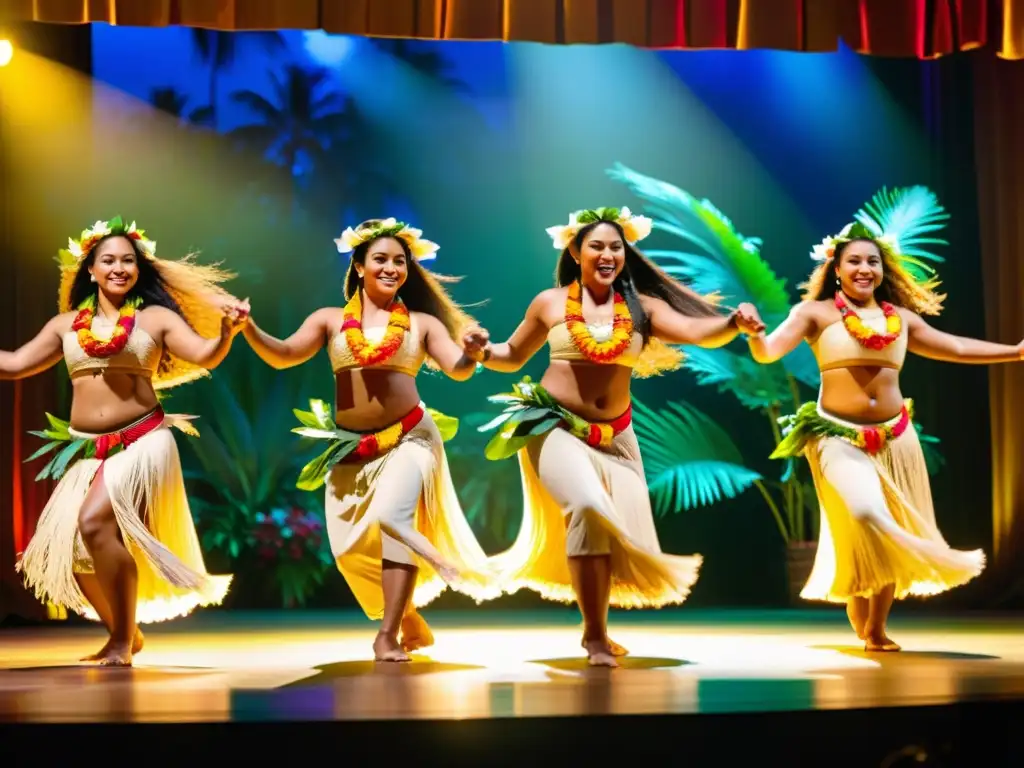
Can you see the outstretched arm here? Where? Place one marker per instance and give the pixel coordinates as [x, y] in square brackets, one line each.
[926, 341]
[184, 343]
[673, 327]
[297, 348]
[523, 344]
[448, 355]
[37, 355]
[784, 339]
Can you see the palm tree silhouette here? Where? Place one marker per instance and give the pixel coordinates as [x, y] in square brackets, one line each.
[220, 50]
[173, 102]
[312, 131]
[423, 57]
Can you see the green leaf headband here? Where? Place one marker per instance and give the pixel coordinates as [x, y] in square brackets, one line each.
[77, 250]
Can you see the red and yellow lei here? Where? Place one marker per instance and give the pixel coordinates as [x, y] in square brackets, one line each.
[866, 336]
[598, 351]
[95, 347]
[365, 353]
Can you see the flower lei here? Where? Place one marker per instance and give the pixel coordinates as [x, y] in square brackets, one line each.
[95, 347]
[634, 228]
[598, 351]
[865, 336]
[365, 353]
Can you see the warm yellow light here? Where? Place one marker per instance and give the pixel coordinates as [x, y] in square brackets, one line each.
[6, 52]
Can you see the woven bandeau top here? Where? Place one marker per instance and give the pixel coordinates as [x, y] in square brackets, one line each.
[836, 348]
[140, 356]
[563, 347]
[408, 359]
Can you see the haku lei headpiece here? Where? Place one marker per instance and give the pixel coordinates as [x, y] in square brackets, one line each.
[634, 228]
[902, 222]
[78, 250]
[422, 250]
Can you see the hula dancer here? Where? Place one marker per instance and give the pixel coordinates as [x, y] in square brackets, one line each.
[116, 542]
[588, 531]
[861, 313]
[391, 507]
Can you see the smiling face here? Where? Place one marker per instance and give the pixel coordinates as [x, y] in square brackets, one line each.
[602, 255]
[115, 267]
[860, 270]
[384, 270]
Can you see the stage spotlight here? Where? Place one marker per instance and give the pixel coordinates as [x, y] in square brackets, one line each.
[6, 52]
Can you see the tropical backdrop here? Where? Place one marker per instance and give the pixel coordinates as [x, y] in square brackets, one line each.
[257, 149]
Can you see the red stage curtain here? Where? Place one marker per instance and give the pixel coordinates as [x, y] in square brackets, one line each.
[920, 28]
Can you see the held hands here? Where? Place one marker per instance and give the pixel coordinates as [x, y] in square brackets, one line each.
[748, 320]
[476, 344]
[236, 315]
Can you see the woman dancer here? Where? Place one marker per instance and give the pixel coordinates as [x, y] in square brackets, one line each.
[585, 495]
[116, 541]
[861, 313]
[390, 500]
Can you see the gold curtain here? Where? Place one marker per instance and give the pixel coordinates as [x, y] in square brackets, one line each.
[999, 148]
[920, 28]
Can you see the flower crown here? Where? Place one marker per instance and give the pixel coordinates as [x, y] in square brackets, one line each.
[422, 250]
[79, 249]
[826, 249]
[634, 228]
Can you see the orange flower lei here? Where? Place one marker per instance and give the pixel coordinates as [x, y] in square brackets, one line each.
[598, 351]
[90, 344]
[365, 353]
[866, 336]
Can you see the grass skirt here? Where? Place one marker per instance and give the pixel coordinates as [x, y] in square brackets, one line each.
[878, 522]
[147, 492]
[401, 506]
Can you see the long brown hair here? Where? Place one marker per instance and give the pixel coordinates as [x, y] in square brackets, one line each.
[898, 286]
[641, 277]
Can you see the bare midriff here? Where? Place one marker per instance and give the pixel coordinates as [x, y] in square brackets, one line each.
[592, 391]
[861, 394]
[370, 399]
[104, 400]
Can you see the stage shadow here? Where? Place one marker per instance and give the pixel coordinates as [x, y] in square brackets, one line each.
[910, 656]
[368, 668]
[626, 662]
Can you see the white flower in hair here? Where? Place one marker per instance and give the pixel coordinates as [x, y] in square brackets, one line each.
[634, 228]
[422, 250]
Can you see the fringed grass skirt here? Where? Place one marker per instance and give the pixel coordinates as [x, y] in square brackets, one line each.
[147, 492]
[401, 506]
[584, 493]
[878, 524]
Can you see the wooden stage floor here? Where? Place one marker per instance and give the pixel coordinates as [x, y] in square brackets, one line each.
[220, 667]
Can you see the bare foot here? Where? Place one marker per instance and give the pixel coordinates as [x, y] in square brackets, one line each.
[116, 655]
[599, 653]
[613, 648]
[415, 632]
[879, 642]
[855, 621]
[138, 642]
[387, 649]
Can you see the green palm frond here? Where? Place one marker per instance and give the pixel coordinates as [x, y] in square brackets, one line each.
[717, 257]
[689, 460]
[933, 457]
[756, 386]
[910, 215]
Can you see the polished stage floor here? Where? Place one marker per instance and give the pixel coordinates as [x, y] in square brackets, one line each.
[220, 667]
